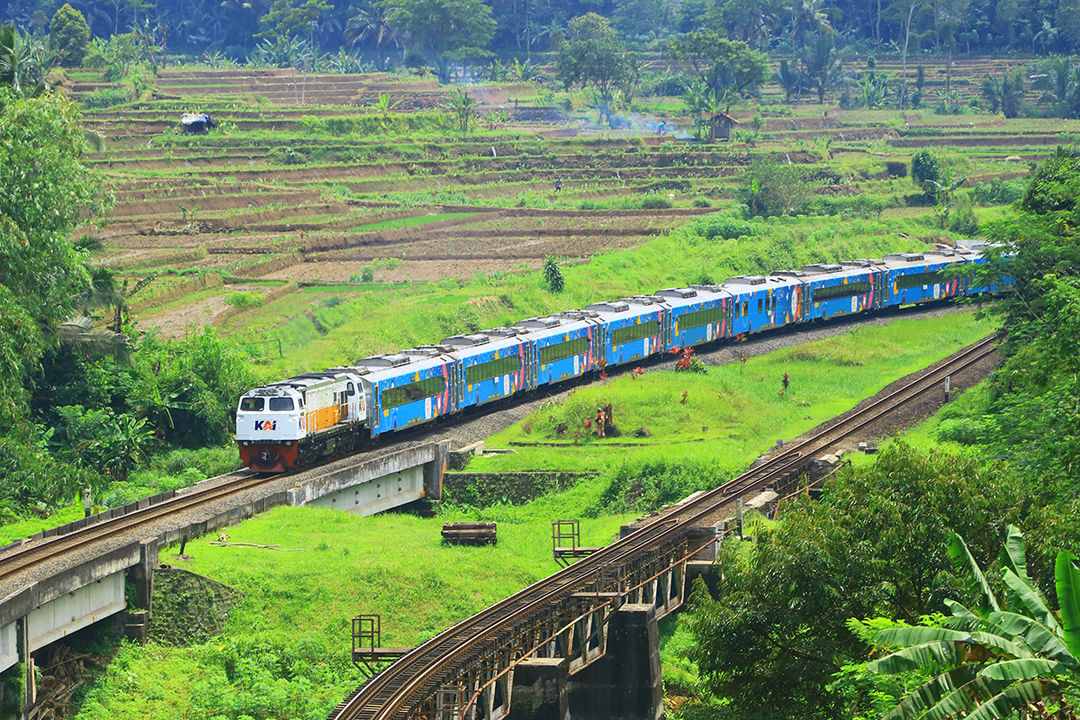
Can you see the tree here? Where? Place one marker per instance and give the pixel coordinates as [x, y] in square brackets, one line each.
[285, 22]
[461, 107]
[925, 172]
[435, 27]
[553, 275]
[69, 36]
[21, 67]
[45, 191]
[791, 79]
[776, 634]
[1006, 94]
[371, 23]
[773, 188]
[1036, 392]
[823, 65]
[593, 56]
[943, 195]
[722, 64]
[1059, 79]
[1001, 658]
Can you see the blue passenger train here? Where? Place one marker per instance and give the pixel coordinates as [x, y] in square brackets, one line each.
[294, 421]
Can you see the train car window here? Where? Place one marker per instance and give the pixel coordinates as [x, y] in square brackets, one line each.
[404, 394]
[281, 404]
[745, 307]
[251, 404]
[350, 390]
[834, 292]
[631, 333]
[492, 369]
[918, 280]
[760, 306]
[563, 350]
[699, 318]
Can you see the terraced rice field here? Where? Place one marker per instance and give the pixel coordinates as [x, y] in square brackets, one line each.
[303, 184]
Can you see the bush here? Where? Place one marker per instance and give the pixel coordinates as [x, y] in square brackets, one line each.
[655, 202]
[723, 226]
[999, 192]
[287, 156]
[103, 98]
[242, 300]
[553, 277]
[772, 188]
[964, 430]
[896, 168]
[963, 221]
[925, 170]
[700, 202]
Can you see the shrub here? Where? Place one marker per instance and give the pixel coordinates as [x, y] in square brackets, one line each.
[243, 300]
[896, 168]
[105, 97]
[925, 170]
[655, 202]
[553, 276]
[963, 430]
[723, 226]
[700, 202]
[963, 221]
[999, 192]
[772, 188]
[287, 156]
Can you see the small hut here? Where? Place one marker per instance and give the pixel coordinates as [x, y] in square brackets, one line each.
[720, 126]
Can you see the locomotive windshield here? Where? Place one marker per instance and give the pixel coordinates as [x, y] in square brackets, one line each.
[281, 403]
[251, 404]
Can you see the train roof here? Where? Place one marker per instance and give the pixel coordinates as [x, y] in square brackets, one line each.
[558, 324]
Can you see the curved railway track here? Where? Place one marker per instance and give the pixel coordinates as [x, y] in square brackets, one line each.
[391, 694]
[37, 554]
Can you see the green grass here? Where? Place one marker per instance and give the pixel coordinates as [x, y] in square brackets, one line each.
[733, 412]
[409, 221]
[405, 316]
[297, 602]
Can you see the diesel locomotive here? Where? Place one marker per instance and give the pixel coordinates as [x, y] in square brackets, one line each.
[295, 421]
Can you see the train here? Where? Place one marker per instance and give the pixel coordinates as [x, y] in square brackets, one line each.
[295, 422]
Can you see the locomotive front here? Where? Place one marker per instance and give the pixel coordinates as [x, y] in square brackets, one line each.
[269, 427]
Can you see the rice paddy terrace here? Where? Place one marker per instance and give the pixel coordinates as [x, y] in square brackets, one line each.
[308, 187]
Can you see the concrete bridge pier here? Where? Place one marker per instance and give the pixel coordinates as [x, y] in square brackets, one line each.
[625, 684]
[540, 690]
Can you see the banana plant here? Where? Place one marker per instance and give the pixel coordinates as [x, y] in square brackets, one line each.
[1003, 658]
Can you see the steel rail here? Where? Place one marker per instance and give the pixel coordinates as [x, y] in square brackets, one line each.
[23, 559]
[387, 696]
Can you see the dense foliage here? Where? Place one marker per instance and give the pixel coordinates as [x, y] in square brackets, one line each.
[783, 638]
[976, 26]
[875, 545]
[83, 398]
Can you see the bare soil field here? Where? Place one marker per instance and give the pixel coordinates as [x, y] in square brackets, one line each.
[268, 195]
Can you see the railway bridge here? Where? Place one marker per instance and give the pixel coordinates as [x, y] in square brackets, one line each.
[580, 644]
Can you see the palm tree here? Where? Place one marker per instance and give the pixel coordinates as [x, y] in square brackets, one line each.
[999, 659]
[371, 22]
[20, 62]
[823, 65]
[1059, 79]
[791, 79]
[461, 106]
[1006, 94]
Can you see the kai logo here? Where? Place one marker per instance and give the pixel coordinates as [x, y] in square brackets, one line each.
[266, 424]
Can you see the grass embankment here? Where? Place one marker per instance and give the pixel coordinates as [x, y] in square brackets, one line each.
[730, 414]
[709, 249]
[284, 651]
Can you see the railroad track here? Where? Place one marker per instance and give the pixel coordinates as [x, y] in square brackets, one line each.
[37, 554]
[398, 688]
